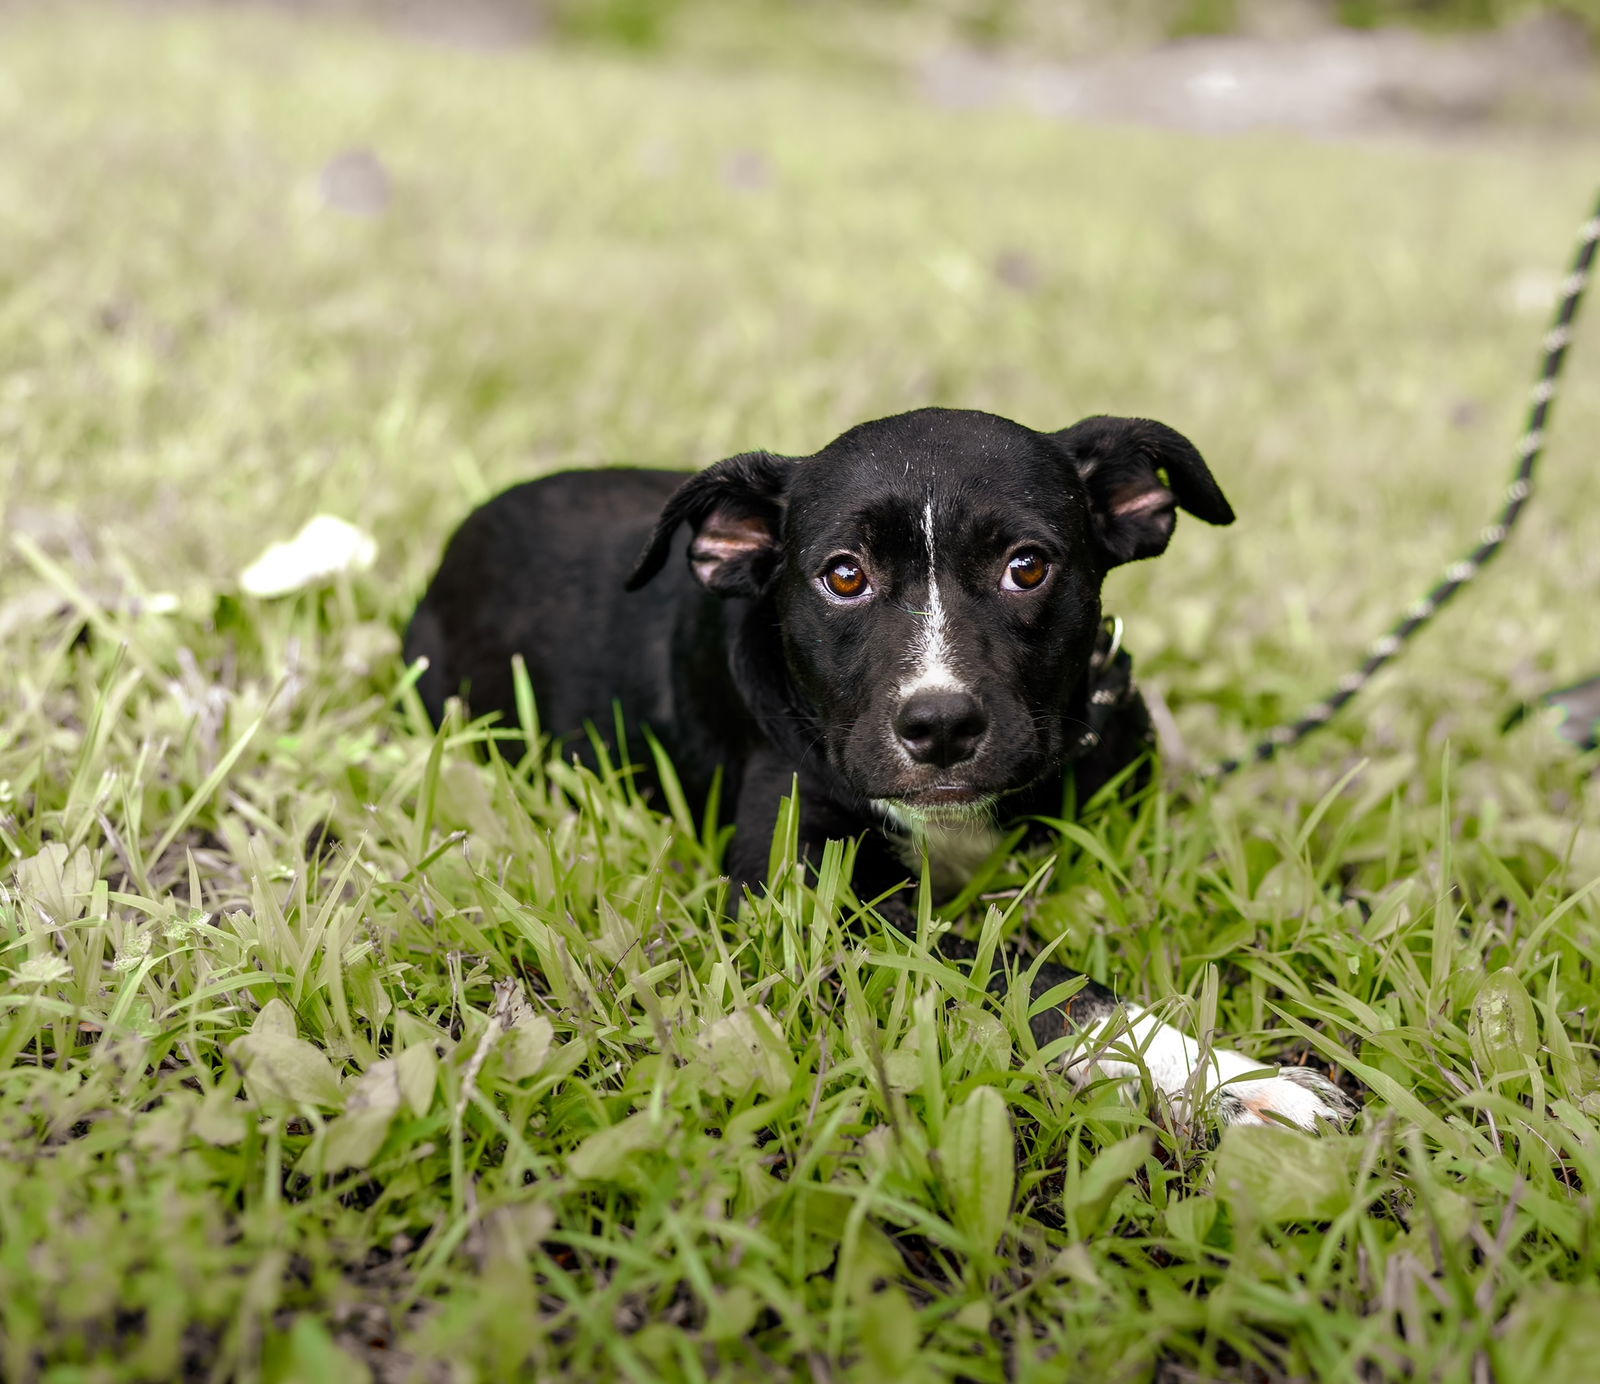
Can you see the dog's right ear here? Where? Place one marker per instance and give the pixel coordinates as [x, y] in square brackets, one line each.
[1138, 474]
[734, 508]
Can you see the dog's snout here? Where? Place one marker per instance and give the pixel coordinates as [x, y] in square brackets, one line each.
[941, 726]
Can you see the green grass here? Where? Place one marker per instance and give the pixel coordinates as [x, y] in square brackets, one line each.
[485, 1086]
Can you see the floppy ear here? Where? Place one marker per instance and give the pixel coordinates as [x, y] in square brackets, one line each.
[734, 509]
[1121, 461]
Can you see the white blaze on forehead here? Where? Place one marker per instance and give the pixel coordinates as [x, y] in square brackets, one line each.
[930, 651]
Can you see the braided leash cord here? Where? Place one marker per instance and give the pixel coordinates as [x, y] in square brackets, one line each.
[1490, 540]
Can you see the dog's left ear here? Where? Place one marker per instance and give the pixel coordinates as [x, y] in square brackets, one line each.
[1121, 462]
[734, 508]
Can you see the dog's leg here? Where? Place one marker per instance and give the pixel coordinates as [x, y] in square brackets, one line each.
[766, 778]
[1123, 1042]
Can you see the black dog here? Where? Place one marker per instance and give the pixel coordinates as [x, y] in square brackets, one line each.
[908, 623]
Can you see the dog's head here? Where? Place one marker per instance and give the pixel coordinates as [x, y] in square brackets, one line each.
[935, 578]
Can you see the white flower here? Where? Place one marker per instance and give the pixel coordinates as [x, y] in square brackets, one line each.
[41, 970]
[324, 548]
[176, 929]
[134, 952]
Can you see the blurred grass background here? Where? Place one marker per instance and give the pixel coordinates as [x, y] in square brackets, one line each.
[260, 266]
[884, 31]
[585, 258]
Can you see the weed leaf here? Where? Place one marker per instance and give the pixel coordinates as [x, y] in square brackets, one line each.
[978, 1160]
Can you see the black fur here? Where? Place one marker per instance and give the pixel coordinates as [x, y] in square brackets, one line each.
[699, 603]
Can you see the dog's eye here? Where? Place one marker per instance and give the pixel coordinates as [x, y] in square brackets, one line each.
[846, 580]
[1025, 571]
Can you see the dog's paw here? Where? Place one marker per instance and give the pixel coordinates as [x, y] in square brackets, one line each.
[1296, 1096]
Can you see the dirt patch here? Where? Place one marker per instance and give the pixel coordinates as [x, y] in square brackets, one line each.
[1334, 82]
[1289, 68]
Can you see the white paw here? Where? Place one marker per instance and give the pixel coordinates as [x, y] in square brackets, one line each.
[1132, 1045]
[1297, 1096]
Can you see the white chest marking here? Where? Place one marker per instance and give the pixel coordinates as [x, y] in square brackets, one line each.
[931, 660]
[953, 849]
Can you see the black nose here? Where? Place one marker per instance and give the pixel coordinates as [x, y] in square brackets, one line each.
[941, 727]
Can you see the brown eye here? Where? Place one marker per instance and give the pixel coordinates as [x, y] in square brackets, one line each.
[846, 580]
[1025, 571]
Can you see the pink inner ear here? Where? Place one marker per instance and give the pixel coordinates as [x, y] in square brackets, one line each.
[724, 538]
[1136, 503]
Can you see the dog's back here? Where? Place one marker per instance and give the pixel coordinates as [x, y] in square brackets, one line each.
[539, 571]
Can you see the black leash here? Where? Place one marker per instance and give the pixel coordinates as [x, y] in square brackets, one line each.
[1490, 540]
